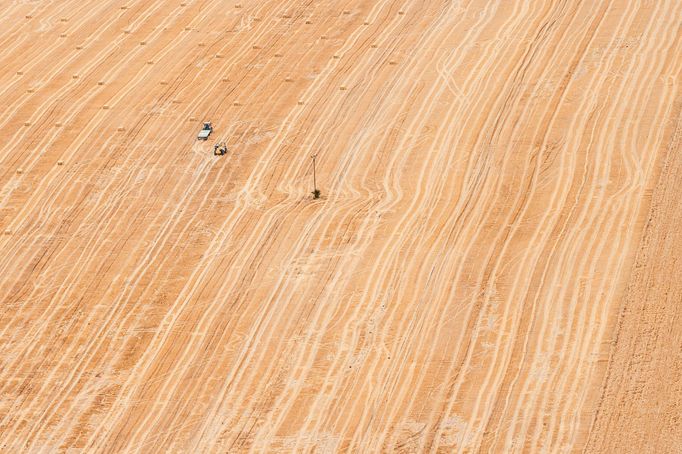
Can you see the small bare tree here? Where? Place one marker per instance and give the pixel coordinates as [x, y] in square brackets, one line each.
[316, 192]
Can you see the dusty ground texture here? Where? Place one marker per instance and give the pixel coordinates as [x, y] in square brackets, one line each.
[494, 265]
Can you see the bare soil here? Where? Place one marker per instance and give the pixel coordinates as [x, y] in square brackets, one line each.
[493, 265]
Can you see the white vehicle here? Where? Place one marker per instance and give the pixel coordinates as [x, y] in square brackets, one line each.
[206, 131]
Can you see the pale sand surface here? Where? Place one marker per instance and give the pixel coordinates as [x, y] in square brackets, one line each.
[495, 264]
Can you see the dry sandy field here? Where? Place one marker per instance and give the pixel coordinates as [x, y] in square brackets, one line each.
[495, 264]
